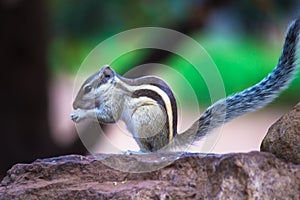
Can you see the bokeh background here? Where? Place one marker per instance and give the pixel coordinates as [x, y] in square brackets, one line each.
[43, 44]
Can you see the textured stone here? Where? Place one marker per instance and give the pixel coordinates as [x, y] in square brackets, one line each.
[283, 137]
[254, 175]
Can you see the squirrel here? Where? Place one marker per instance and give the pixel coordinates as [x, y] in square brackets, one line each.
[148, 107]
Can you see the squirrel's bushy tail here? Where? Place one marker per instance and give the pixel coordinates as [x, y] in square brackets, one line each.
[250, 99]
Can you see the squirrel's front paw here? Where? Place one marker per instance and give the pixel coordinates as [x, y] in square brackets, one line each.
[77, 116]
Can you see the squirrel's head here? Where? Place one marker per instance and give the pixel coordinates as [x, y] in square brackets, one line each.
[95, 89]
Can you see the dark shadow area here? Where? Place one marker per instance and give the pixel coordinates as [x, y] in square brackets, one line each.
[24, 127]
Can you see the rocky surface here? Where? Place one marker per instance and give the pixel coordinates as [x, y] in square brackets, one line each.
[254, 175]
[283, 137]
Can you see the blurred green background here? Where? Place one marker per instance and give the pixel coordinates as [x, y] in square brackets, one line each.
[43, 44]
[244, 38]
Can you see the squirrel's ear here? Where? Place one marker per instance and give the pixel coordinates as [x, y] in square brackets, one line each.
[104, 67]
[107, 71]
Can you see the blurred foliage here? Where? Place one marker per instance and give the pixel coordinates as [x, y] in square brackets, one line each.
[244, 54]
[79, 26]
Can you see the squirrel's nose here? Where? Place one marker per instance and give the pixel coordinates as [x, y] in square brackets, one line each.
[75, 106]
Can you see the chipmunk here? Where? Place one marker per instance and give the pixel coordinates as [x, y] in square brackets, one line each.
[148, 107]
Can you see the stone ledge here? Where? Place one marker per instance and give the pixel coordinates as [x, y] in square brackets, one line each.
[191, 176]
[283, 137]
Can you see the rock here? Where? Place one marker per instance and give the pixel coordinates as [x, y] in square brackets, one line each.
[283, 137]
[254, 175]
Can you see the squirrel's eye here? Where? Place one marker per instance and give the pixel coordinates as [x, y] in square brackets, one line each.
[87, 89]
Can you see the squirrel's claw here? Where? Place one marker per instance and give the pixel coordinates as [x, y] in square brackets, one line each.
[75, 116]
